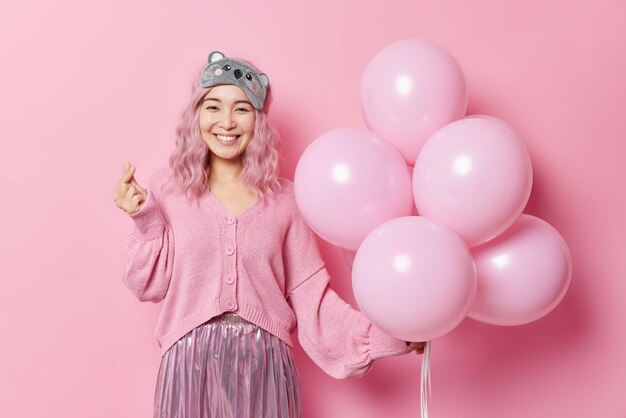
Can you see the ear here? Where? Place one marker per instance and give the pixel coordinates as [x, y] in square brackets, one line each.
[264, 80]
[216, 56]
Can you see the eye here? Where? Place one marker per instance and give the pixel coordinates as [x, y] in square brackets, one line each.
[249, 77]
[211, 107]
[227, 67]
[242, 109]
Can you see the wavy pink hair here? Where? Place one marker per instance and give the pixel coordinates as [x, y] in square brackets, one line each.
[190, 160]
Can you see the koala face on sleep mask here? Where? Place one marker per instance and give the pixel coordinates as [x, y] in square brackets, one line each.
[223, 70]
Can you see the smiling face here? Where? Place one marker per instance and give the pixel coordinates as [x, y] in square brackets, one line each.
[227, 121]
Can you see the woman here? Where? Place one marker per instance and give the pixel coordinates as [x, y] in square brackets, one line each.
[218, 237]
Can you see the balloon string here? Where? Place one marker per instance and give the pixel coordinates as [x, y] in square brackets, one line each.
[425, 386]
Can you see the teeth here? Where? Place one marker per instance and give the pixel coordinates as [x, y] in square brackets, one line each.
[227, 138]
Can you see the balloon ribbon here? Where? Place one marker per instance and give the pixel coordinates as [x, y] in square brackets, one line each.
[425, 387]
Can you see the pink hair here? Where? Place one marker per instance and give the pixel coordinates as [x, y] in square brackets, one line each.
[190, 160]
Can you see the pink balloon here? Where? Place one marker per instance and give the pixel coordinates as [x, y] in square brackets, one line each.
[522, 274]
[409, 90]
[347, 182]
[474, 176]
[414, 278]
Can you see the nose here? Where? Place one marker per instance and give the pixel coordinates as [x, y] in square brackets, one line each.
[227, 122]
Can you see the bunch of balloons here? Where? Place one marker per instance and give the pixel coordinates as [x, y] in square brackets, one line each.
[470, 251]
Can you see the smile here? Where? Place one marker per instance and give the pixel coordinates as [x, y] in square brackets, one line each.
[226, 139]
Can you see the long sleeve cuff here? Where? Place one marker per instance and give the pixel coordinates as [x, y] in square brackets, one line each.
[383, 345]
[149, 221]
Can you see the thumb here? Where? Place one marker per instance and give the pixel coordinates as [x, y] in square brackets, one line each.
[133, 181]
[129, 172]
[141, 189]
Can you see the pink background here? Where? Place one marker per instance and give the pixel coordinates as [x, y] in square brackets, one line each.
[86, 85]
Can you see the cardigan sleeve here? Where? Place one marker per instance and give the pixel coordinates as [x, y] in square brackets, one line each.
[338, 338]
[147, 268]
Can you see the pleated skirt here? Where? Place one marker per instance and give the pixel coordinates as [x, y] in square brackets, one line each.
[228, 368]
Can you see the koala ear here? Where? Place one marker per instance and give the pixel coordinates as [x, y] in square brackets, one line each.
[216, 56]
[264, 80]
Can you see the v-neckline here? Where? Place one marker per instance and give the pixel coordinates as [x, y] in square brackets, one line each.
[216, 203]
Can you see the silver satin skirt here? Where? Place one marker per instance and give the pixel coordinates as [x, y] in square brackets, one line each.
[228, 368]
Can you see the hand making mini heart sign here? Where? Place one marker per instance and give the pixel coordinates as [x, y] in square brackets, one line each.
[129, 195]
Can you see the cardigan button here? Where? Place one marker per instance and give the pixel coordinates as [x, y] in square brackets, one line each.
[230, 220]
[231, 305]
[230, 250]
[230, 279]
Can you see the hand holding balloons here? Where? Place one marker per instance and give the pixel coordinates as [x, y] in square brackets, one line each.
[418, 347]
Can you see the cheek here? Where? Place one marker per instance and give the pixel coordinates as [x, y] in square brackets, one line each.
[249, 123]
[204, 123]
[205, 128]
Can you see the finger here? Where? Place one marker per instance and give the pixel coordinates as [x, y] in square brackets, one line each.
[418, 347]
[132, 190]
[120, 193]
[135, 202]
[129, 194]
[133, 181]
[131, 200]
[141, 189]
[129, 173]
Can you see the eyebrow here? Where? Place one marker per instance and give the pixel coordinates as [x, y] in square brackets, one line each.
[219, 101]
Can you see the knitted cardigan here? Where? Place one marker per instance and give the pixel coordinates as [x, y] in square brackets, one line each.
[264, 264]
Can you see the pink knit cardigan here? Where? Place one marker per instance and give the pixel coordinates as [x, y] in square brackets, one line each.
[263, 264]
